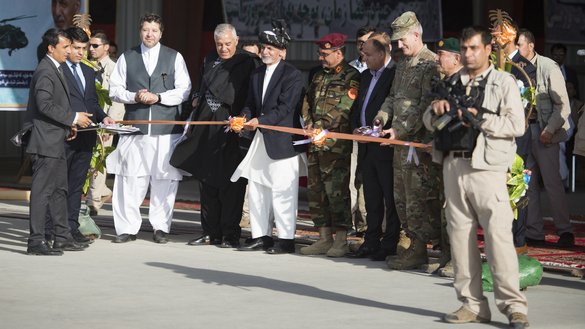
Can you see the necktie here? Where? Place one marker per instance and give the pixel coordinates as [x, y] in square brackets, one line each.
[99, 73]
[77, 79]
[60, 69]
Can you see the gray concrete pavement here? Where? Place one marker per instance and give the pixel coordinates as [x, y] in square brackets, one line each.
[145, 285]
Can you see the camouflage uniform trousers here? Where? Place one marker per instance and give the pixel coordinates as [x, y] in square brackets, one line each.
[416, 195]
[328, 189]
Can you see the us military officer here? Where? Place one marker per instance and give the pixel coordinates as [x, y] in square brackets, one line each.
[414, 192]
[326, 106]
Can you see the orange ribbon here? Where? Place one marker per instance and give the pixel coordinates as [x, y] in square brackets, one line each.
[312, 133]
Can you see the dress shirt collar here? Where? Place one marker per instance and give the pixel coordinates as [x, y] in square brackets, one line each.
[154, 49]
[70, 64]
[104, 61]
[57, 64]
[270, 68]
[513, 54]
[378, 73]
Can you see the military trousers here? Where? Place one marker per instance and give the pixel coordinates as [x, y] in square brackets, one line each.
[479, 197]
[328, 189]
[415, 195]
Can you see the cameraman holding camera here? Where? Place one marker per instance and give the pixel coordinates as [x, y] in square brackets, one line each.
[476, 155]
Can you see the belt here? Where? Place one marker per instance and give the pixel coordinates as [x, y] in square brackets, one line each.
[461, 154]
[531, 121]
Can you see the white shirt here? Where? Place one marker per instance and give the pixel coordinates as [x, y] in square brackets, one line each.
[173, 97]
[267, 76]
[57, 64]
[513, 54]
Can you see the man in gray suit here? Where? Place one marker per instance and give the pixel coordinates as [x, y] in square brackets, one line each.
[51, 120]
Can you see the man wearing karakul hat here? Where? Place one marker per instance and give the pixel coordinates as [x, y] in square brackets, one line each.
[272, 165]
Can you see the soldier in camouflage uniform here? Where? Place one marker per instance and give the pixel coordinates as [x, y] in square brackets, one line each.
[415, 191]
[326, 106]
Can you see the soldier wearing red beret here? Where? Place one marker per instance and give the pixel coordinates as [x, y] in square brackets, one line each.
[326, 106]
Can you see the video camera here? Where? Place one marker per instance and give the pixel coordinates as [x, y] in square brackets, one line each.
[455, 94]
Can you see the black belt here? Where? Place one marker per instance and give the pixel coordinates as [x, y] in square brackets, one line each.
[461, 154]
[531, 121]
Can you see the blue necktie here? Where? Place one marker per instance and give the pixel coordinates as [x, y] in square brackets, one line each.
[77, 79]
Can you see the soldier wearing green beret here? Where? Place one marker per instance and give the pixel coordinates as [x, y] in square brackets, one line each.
[326, 106]
[449, 65]
[414, 193]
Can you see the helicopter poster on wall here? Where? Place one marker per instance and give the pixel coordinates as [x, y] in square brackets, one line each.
[22, 25]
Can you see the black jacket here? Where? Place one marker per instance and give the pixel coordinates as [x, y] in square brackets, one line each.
[281, 107]
[376, 100]
[86, 102]
[210, 154]
[48, 111]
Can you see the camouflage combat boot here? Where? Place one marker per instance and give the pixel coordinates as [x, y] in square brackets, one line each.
[322, 245]
[403, 244]
[339, 247]
[447, 271]
[412, 258]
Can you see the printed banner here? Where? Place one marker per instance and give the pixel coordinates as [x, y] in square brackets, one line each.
[312, 19]
[22, 25]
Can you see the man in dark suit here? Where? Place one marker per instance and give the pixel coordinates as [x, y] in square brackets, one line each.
[374, 160]
[51, 120]
[272, 165]
[83, 96]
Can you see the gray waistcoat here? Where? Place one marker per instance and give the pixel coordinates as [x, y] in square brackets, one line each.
[162, 79]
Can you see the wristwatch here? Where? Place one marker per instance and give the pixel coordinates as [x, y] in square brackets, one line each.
[159, 99]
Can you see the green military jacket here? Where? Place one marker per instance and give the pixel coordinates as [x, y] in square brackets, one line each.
[409, 96]
[327, 104]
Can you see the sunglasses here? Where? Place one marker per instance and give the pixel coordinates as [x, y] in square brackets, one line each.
[95, 45]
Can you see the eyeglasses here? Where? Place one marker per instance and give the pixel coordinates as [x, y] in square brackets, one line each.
[95, 45]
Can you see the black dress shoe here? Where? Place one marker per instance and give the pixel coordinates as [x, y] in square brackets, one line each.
[230, 243]
[199, 241]
[78, 237]
[160, 237]
[284, 246]
[262, 243]
[204, 240]
[70, 245]
[363, 252]
[381, 255]
[566, 240]
[535, 242]
[43, 249]
[123, 238]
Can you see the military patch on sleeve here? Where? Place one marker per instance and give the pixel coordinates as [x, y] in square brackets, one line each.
[354, 84]
[352, 93]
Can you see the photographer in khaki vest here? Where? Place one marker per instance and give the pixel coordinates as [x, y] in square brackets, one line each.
[476, 148]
